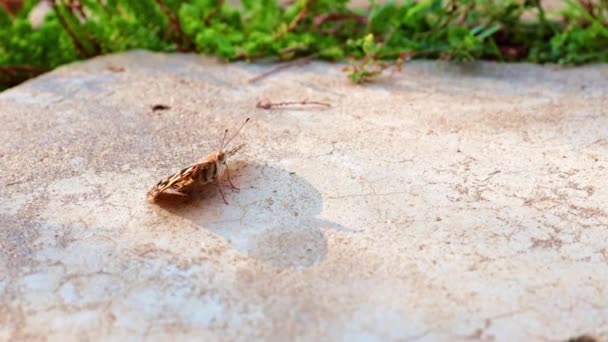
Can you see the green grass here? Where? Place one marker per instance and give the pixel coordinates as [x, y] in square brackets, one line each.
[384, 35]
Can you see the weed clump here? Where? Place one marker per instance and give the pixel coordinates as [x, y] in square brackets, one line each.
[374, 39]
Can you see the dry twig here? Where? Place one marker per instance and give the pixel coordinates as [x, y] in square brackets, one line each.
[295, 62]
[270, 105]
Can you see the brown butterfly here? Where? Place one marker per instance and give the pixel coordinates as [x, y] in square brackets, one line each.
[210, 169]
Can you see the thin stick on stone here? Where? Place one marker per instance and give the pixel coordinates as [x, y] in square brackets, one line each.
[270, 105]
[299, 61]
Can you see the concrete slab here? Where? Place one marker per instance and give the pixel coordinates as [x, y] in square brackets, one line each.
[444, 203]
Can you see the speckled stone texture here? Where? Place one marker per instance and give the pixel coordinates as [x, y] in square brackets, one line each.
[443, 203]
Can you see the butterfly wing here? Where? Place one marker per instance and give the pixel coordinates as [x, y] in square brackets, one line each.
[178, 181]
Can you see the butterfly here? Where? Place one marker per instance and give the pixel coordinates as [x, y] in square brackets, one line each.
[210, 169]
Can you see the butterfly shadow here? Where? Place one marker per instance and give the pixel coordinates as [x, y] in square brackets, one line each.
[273, 217]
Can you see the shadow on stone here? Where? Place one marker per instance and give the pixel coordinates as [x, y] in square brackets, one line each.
[272, 218]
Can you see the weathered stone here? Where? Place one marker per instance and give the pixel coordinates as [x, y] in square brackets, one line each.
[443, 203]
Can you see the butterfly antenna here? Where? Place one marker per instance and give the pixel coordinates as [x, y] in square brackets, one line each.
[237, 132]
[223, 139]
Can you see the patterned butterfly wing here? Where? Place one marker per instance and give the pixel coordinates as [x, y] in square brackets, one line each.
[179, 181]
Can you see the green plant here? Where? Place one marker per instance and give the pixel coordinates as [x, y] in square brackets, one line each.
[585, 37]
[370, 65]
[505, 30]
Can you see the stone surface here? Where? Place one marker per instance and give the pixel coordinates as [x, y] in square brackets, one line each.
[443, 203]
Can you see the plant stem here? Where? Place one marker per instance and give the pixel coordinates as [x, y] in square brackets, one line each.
[176, 26]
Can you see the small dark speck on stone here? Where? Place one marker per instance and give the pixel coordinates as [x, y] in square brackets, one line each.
[160, 107]
[438, 218]
[292, 173]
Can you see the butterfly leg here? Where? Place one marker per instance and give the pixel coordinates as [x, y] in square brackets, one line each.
[230, 182]
[221, 186]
